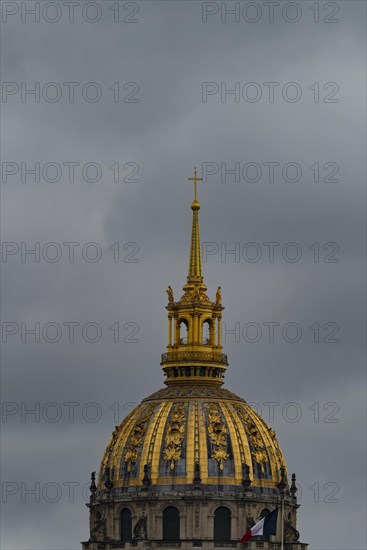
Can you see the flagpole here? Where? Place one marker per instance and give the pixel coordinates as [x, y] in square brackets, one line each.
[282, 526]
[282, 485]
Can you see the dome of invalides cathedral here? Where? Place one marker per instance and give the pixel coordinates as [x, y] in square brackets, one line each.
[192, 466]
[185, 435]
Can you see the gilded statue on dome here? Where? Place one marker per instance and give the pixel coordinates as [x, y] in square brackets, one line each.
[171, 298]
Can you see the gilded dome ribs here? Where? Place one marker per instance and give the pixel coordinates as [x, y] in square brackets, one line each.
[237, 444]
[257, 444]
[155, 441]
[278, 453]
[113, 453]
[273, 447]
[135, 441]
[180, 426]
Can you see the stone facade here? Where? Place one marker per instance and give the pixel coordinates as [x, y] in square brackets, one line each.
[186, 545]
[196, 520]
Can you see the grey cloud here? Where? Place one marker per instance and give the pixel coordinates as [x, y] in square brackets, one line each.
[170, 53]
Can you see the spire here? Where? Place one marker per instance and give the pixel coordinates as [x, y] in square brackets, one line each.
[194, 351]
[194, 272]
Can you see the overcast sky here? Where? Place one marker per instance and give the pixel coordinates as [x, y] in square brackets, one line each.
[149, 96]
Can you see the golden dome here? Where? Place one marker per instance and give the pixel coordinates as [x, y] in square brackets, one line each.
[193, 433]
[180, 426]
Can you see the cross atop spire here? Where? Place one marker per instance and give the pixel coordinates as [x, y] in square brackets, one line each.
[194, 274]
[195, 179]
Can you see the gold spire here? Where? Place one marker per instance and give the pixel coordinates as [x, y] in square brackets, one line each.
[194, 273]
[194, 351]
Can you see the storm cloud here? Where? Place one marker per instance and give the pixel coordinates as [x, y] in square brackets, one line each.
[268, 103]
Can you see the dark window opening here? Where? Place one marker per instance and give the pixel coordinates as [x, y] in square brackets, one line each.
[222, 524]
[126, 524]
[171, 524]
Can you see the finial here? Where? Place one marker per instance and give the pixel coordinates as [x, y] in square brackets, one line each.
[293, 490]
[93, 486]
[195, 179]
[194, 274]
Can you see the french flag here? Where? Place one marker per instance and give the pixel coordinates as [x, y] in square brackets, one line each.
[265, 527]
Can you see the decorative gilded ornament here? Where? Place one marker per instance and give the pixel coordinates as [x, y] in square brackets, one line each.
[172, 455]
[217, 432]
[175, 435]
[195, 294]
[276, 445]
[133, 448]
[258, 447]
[131, 456]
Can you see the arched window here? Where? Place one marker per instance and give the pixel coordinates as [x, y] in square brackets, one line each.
[264, 513]
[222, 524]
[171, 524]
[183, 331]
[207, 332]
[125, 525]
